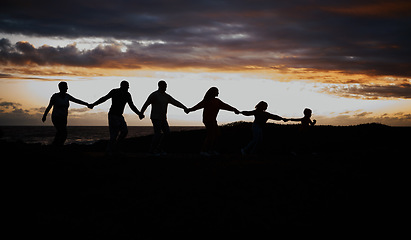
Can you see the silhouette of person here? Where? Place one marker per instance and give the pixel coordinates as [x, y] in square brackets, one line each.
[117, 124]
[60, 102]
[260, 119]
[211, 105]
[159, 101]
[306, 120]
[303, 135]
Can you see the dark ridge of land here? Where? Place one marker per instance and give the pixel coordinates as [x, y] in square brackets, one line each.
[338, 177]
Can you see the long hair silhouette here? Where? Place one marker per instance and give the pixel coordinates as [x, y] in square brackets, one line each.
[211, 93]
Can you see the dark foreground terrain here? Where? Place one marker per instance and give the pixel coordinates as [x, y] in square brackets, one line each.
[337, 177]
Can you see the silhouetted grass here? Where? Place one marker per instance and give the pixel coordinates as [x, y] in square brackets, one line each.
[76, 190]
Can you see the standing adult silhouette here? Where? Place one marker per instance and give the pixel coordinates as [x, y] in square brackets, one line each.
[212, 106]
[159, 101]
[117, 124]
[60, 102]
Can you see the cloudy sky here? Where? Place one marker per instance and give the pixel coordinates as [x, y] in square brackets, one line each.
[349, 61]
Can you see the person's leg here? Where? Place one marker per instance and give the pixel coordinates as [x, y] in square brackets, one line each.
[61, 130]
[114, 128]
[211, 137]
[257, 138]
[157, 136]
[206, 143]
[215, 137]
[250, 146]
[165, 128]
[123, 129]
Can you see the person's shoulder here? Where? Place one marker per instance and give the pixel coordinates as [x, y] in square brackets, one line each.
[53, 97]
[217, 100]
[153, 94]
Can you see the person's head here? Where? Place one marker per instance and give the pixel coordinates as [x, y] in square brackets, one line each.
[307, 112]
[63, 87]
[124, 85]
[162, 85]
[261, 106]
[211, 93]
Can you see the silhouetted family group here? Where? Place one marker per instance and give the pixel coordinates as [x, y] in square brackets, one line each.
[159, 101]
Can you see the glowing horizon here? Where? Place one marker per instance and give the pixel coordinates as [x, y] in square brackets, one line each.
[348, 62]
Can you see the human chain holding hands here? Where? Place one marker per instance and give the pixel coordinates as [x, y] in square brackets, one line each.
[159, 100]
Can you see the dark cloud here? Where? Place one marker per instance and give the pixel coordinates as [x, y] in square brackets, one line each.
[369, 37]
[9, 106]
[367, 91]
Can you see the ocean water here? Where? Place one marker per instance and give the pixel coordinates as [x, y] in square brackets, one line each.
[76, 134]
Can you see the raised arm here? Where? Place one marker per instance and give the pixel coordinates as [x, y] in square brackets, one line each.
[51, 103]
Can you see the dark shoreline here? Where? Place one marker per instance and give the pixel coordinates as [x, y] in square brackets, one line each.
[351, 180]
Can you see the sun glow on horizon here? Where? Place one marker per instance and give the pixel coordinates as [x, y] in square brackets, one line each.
[240, 89]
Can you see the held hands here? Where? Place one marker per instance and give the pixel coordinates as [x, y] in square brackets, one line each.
[285, 120]
[187, 110]
[141, 116]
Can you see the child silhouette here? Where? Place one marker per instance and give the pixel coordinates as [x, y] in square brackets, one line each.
[303, 142]
[260, 119]
[306, 120]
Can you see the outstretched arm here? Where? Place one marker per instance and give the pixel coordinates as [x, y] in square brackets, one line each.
[278, 118]
[177, 103]
[48, 109]
[102, 99]
[248, 113]
[199, 105]
[294, 119]
[227, 107]
[78, 101]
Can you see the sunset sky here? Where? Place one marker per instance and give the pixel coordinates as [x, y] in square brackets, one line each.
[349, 61]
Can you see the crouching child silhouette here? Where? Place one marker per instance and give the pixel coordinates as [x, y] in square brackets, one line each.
[260, 119]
